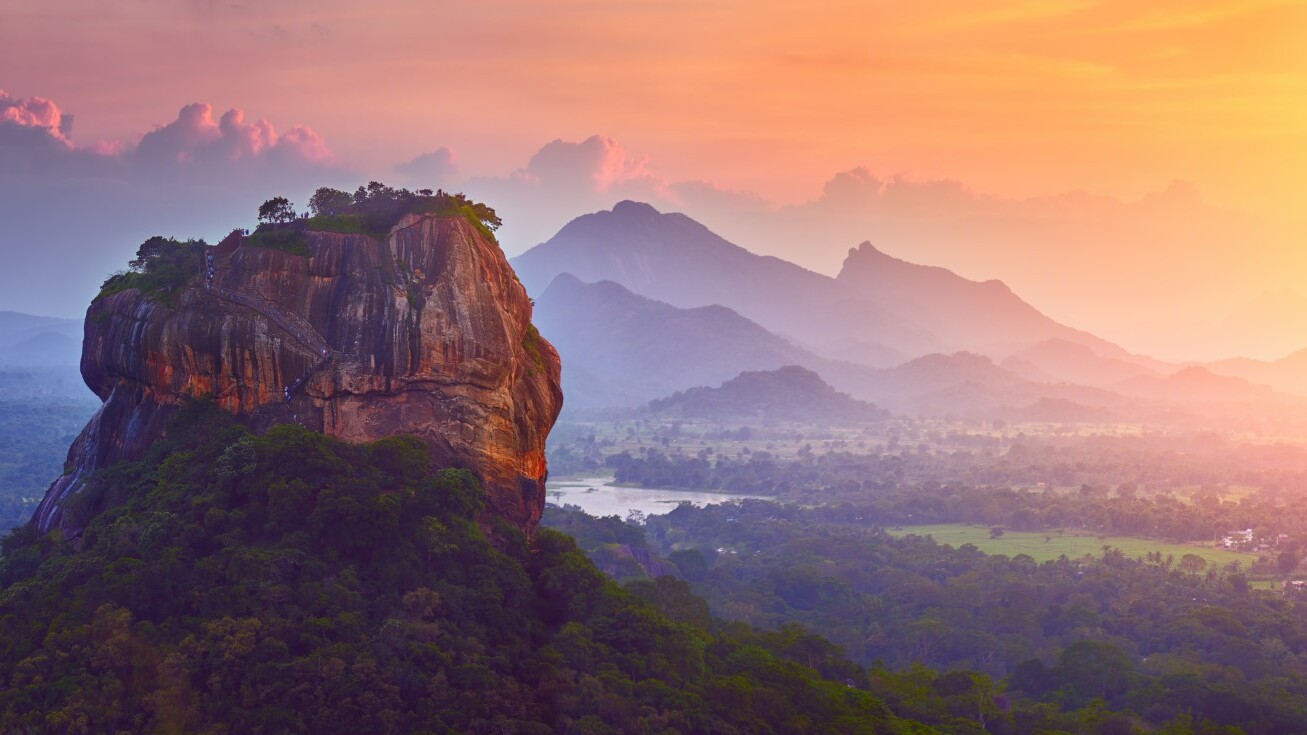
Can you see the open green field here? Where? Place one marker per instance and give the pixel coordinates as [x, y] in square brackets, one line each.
[1071, 545]
[1228, 493]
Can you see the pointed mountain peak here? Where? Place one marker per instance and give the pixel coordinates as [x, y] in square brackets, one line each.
[865, 250]
[868, 259]
[568, 288]
[564, 282]
[630, 208]
[867, 262]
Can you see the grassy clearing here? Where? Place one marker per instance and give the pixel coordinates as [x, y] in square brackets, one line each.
[1228, 493]
[345, 224]
[1068, 544]
[291, 239]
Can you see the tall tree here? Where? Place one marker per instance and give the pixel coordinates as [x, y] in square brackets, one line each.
[277, 210]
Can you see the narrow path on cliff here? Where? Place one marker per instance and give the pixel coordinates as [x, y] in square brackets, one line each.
[294, 324]
[290, 322]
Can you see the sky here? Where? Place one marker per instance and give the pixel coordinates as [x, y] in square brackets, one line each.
[1134, 169]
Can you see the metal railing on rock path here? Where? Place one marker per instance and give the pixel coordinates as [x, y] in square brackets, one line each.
[290, 322]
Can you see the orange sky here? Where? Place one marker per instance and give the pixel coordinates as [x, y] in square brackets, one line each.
[1013, 99]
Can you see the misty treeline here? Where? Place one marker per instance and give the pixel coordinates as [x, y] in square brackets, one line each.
[910, 451]
[41, 412]
[1161, 489]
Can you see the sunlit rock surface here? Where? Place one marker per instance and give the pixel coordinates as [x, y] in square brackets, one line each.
[427, 333]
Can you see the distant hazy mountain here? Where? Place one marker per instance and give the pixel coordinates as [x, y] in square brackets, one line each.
[678, 307]
[1288, 374]
[1273, 323]
[791, 393]
[620, 349]
[59, 383]
[963, 385]
[1195, 385]
[46, 348]
[936, 372]
[879, 311]
[39, 340]
[15, 325]
[962, 314]
[1057, 360]
[672, 258]
[1059, 411]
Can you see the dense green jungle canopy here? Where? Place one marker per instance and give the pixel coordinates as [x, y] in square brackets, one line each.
[292, 583]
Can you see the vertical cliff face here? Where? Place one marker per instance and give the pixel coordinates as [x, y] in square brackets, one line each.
[426, 333]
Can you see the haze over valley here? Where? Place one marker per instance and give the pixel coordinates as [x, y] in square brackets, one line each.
[659, 368]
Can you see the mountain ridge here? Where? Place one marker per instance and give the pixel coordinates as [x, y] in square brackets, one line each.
[789, 393]
[879, 309]
[621, 349]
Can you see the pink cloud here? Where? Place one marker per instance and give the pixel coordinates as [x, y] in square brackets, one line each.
[437, 168]
[199, 174]
[33, 112]
[300, 142]
[35, 139]
[196, 136]
[562, 180]
[597, 164]
[707, 195]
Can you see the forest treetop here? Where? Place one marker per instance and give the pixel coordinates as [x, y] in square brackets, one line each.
[374, 208]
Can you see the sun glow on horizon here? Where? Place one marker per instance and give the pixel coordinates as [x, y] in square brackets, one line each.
[762, 105]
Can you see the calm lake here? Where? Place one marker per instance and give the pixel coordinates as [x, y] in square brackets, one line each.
[598, 497]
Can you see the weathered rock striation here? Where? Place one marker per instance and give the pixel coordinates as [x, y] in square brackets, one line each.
[427, 333]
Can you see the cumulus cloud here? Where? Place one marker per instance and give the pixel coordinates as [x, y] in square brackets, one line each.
[35, 131]
[565, 179]
[707, 196]
[77, 212]
[1157, 256]
[34, 135]
[196, 138]
[596, 164]
[436, 169]
[33, 112]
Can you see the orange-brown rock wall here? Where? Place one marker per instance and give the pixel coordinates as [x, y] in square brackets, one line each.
[426, 333]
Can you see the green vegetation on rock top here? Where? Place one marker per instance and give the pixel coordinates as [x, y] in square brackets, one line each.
[374, 209]
[291, 237]
[161, 266]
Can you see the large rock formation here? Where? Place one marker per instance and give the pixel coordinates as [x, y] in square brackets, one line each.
[427, 333]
